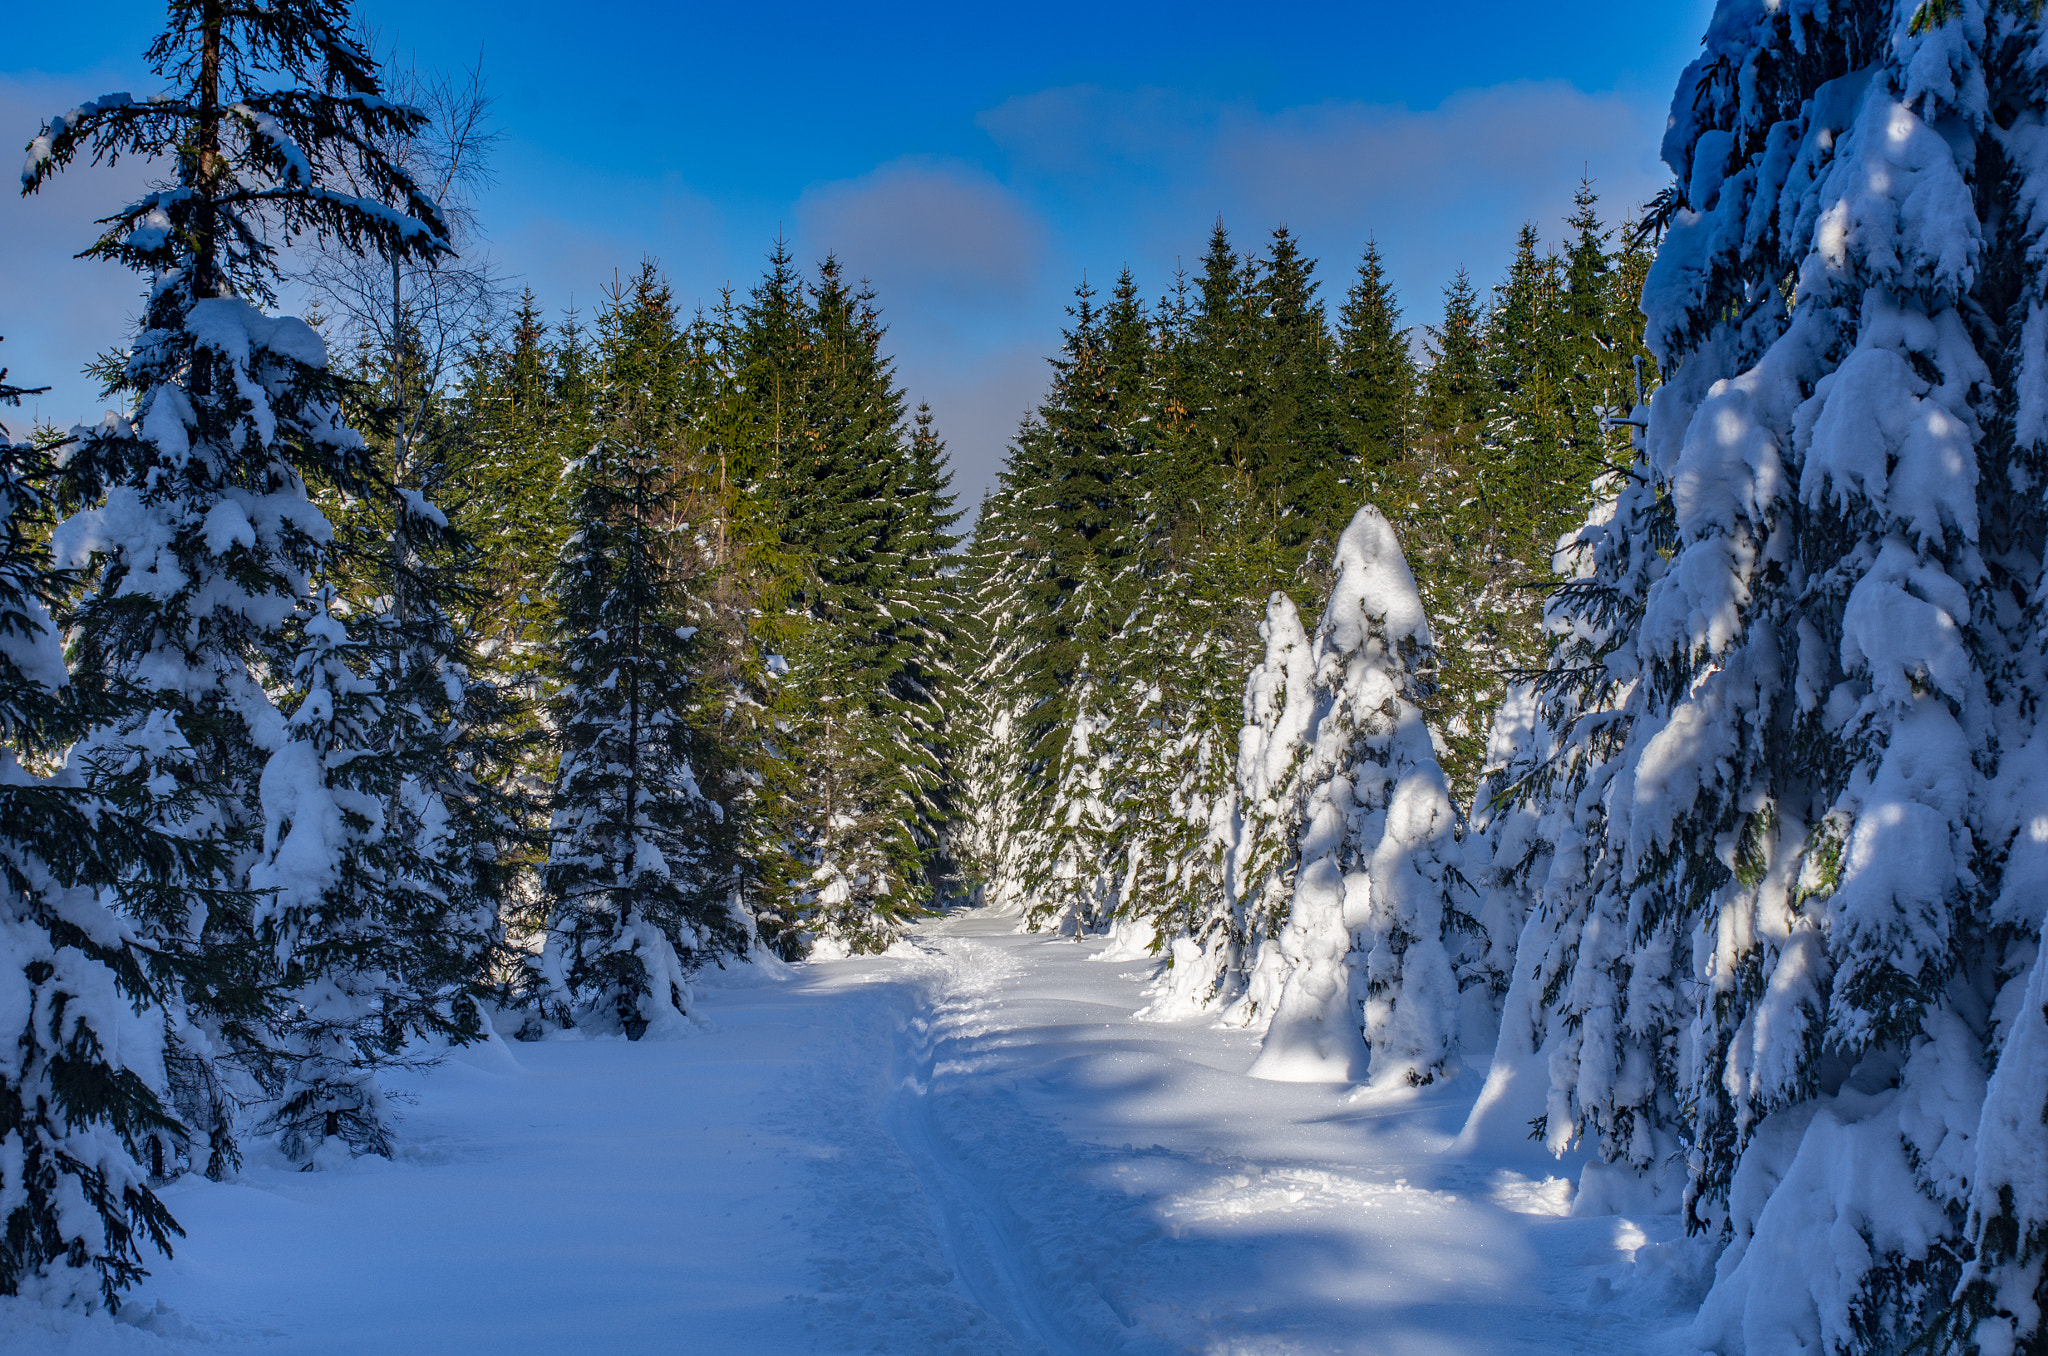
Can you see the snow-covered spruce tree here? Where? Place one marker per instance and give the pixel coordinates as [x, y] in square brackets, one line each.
[1074, 876]
[380, 936]
[1219, 959]
[83, 1114]
[1375, 881]
[1182, 651]
[1542, 861]
[864, 506]
[1181, 687]
[921, 651]
[401, 766]
[198, 538]
[1078, 463]
[992, 836]
[840, 516]
[1778, 929]
[640, 873]
[1538, 804]
[462, 812]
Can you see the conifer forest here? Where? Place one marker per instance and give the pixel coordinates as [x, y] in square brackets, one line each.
[1511, 819]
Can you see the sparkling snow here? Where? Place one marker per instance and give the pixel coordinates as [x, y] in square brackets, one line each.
[967, 1146]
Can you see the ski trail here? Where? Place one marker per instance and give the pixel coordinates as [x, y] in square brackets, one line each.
[994, 1254]
[1285, 1220]
[983, 1239]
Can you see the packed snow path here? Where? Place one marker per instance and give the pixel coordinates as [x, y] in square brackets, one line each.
[969, 1146]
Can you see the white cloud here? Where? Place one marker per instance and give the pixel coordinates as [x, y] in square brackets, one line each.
[959, 263]
[930, 234]
[1440, 187]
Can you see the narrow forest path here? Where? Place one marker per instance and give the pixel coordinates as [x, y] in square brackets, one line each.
[969, 1146]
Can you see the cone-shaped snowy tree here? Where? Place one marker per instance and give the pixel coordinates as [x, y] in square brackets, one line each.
[1375, 843]
[1259, 839]
[198, 541]
[994, 835]
[1538, 852]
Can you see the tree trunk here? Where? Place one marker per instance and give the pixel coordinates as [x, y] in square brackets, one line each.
[205, 245]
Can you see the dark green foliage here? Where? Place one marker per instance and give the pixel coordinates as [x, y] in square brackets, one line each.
[1375, 375]
[1185, 465]
[849, 819]
[639, 871]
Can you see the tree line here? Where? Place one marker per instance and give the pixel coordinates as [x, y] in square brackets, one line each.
[1200, 453]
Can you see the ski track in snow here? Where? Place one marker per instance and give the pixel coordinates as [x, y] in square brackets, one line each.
[967, 1147]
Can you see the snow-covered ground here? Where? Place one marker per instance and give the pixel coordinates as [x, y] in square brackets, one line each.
[969, 1146]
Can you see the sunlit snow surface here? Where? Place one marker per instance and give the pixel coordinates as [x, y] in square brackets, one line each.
[967, 1146]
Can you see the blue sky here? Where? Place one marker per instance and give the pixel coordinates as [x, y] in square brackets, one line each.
[971, 162]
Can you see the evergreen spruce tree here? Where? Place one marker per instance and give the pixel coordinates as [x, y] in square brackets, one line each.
[1521, 473]
[921, 653]
[1600, 359]
[1376, 379]
[1789, 748]
[639, 872]
[846, 800]
[1449, 547]
[198, 536]
[860, 751]
[1522, 493]
[1364, 979]
[1302, 464]
[994, 834]
[1551, 731]
[377, 946]
[1073, 469]
[519, 408]
[443, 740]
[1182, 651]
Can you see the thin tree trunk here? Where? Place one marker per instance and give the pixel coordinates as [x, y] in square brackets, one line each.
[205, 266]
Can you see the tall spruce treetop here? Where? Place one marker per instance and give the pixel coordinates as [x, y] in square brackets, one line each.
[251, 159]
[1375, 371]
[1452, 545]
[1597, 349]
[1222, 379]
[1301, 459]
[1454, 389]
[1521, 475]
